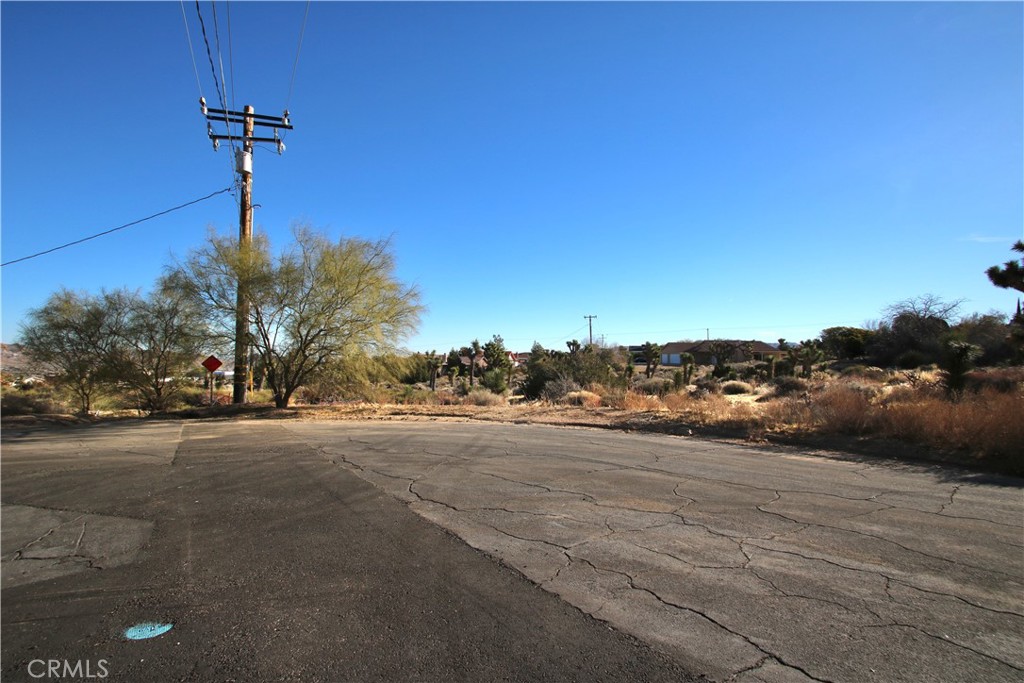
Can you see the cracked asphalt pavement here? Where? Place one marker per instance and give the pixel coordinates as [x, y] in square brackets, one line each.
[267, 547]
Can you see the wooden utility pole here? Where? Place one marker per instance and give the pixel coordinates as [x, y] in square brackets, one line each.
[590, 322]
[248, 118]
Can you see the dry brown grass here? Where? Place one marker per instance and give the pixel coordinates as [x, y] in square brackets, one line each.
[587, 399]
[989, 424]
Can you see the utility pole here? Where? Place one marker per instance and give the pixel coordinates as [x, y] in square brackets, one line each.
[590, 322]
[248, 118]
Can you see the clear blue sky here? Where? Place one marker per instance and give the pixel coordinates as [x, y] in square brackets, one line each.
[760, 169]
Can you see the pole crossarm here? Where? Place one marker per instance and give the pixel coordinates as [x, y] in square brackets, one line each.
[248, 119]
[268, 124]
[243, 138]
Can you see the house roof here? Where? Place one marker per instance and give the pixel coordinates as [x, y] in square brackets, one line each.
[704, 346]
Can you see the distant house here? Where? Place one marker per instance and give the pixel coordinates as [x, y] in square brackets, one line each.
[671, 353]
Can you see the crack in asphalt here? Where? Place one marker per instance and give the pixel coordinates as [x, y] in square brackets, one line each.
[631, 580]
[879, 538]
[946, 640]
[745, 544]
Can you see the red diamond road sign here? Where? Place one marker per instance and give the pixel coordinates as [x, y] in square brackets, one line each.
[212, 363]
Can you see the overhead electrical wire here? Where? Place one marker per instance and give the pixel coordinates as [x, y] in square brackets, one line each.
[120, 227]
[295, 65]
[220, 56]
[220, 96]
[231, 56]
[191, 51]
[209, 55]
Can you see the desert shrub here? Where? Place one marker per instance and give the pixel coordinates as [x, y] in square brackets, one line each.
[724, 372]
[865, 372]
[483, 397]
[987, 424]
[653, 386]
[788, 386]
[900, 393]
[373, 393]
[494, 380]
[411, 395]
[195, 396]
[677, 401]
[735, 387]
[596, 388]
[678, 380]
[843, 409]
[614, 399]
[634, 401]
[447, 398]
[1002, 380]
[708, 385]
[716, 410]
[908, 360]
[783, 412]
[583, 398]
[40, 401]
[557, 388]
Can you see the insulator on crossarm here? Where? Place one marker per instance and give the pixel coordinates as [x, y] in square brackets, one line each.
[202, 104]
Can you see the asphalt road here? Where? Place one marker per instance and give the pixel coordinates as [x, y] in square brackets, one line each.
[351, 551]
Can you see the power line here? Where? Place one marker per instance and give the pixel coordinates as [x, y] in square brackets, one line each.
[216, 85]
[295, 65]
[209, 55]
[120, 227]
[231, 55]
[191, 52]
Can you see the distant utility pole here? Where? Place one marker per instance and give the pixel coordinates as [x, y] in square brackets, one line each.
[243, 166]
[590, 322]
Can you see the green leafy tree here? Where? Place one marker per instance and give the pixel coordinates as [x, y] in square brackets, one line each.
[154, 342]
[497, 359]
[541, 367]
[844, 343]
[70, 333]
[317, 303]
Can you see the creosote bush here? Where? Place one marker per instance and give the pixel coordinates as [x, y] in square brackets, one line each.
[554, 390]
[736, 387]
[586, 399]
[788, 386]
[484, 397]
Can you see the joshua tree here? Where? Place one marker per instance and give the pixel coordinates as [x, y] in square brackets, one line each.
[434, 363]
[688, 364]
[652, 355]
[474, 353]
[1011, 276]
[806, 355]
[958, 358]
